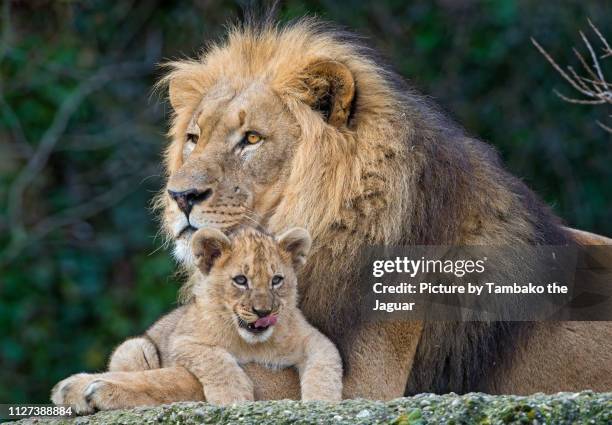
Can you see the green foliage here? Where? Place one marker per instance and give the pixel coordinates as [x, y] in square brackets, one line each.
[412, 418]
[73, 287]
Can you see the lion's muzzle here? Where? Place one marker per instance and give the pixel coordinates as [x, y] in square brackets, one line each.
[186, 199]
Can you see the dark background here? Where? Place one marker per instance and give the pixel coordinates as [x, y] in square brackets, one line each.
[81, 137]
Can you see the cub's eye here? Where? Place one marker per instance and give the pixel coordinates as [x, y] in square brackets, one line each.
[252, 137]
[240, 280]
[193, 138]
[277, 281]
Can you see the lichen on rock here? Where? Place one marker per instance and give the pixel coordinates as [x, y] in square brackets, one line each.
[474, 408]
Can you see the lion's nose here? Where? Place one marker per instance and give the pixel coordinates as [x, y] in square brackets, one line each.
[186, 199]
[262, 312]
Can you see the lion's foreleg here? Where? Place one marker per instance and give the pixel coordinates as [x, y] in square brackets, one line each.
[380, 360]
[88, 393]
[134, 354]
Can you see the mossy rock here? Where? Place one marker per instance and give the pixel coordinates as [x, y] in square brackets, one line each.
[474, 408]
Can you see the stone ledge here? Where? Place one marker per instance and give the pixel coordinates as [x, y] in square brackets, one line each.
[474, 408]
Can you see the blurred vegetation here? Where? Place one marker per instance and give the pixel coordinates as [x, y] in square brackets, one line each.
[81, 138]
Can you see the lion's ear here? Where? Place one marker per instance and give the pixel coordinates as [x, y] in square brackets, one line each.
[177, 93]
[297, 243]
[186, 83]
[207, 244]
[331, 90]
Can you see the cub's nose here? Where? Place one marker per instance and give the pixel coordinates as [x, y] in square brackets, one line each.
[262, 312]
[188, 198]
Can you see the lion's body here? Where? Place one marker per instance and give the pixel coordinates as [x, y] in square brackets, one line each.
[378, 166]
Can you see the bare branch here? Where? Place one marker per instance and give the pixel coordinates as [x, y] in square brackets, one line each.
[597, 83]
[579, 101]
[607, 49]
[556, 66]
[594, 86]
[584, 64]
[593, 56]
[586, 90]
[605, 127]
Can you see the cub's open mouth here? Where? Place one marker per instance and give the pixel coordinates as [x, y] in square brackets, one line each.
[260, 325]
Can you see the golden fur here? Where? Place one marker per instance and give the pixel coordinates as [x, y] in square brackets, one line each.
[210, 337]
[356, 157]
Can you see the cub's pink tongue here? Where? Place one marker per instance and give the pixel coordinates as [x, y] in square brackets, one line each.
[265, 321]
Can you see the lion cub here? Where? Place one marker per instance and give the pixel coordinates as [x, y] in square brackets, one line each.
[245, 310]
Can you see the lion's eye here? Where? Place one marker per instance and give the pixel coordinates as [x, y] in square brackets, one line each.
[277, 281]
[240, 280]
[252, 138]
[193, 138]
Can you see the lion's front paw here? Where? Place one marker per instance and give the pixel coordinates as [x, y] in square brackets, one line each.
[105, 395]
[71, 391]
[89, 393]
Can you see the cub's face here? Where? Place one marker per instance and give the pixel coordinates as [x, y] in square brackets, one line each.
[250, 278]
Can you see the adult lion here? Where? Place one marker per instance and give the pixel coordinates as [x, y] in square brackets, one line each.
[300, 126]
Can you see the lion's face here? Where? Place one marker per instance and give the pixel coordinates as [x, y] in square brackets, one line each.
[239, 121]
[235, 154]
[250, 278]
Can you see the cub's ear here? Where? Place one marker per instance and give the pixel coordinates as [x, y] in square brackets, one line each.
[296, 242]
[207, 244]
[331, 90]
